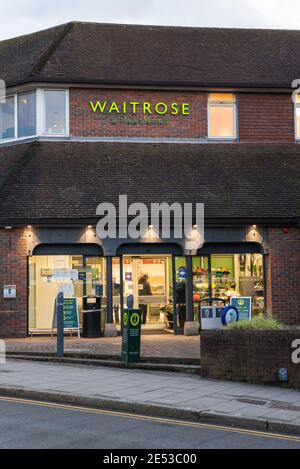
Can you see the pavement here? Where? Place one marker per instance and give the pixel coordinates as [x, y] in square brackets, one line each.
[154, 393]
[152, 346]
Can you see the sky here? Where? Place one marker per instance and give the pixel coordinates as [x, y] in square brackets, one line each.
[24, 16]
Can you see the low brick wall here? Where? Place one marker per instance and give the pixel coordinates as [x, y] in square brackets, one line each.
[251, 356]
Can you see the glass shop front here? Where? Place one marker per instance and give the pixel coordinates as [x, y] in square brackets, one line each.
[155, 283]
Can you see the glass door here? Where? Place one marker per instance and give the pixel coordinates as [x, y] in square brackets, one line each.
[145, 278]
[152, 290]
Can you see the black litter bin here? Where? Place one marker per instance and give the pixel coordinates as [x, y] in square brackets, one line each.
[91, 317]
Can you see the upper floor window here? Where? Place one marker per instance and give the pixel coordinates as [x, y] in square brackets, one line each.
[26, 114]
[297, 116]
[55, 112]
[221, 115]
[7, 119]
[37, 112]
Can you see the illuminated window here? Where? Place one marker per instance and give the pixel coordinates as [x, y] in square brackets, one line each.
[221, 115]
[297, 117]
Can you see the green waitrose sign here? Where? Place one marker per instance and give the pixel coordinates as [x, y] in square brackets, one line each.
[140, 107]
[131, 336]
[243, 304]
[71, 320]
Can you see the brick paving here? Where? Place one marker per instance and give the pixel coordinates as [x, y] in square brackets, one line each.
[165, 346]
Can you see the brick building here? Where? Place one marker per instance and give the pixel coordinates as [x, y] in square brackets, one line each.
[160, 114]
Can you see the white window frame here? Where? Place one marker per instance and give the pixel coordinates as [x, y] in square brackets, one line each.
[42, 112]
[222, 104]
[40, 115]
[15, 96]
[296, 106]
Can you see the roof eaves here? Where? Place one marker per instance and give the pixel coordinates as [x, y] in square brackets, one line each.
[33, 78]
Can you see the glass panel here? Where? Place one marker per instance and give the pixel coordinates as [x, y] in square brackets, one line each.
[7, 119]
[26, 114]
[239, 275]
[180, 267]
[116, 290]
[48, 275]
[200, 278]
[221, 97]
[55, 112]
[128, 283]
[92, 273]
[221, 121]
[151, 289]
[298, 122]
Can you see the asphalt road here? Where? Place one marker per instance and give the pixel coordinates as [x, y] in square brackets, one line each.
[32, 425]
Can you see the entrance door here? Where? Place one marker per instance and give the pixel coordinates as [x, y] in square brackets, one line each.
[147, 279]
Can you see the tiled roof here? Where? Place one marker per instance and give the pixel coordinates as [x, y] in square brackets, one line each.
[157, 55]
[67, 180]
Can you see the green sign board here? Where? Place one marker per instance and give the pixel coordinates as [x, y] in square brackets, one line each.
[71, 319]
[243, 305]
[70, 313]
[131, 336]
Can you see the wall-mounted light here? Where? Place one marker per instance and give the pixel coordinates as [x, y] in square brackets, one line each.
[89, 226]
[29, 226]
[8, 227]
[254, 226]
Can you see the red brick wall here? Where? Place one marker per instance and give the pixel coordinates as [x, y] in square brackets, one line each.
[265, 118]
[284, 280]
[252, 356]
[84, 122]
[13, 271]
[262, 117]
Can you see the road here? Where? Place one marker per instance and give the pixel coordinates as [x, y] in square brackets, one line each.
[32, 425]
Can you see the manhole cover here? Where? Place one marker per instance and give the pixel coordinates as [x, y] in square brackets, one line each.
[252, 401]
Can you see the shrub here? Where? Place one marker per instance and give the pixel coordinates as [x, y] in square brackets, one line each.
[257, 323]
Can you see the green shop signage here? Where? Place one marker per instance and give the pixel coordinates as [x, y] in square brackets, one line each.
[126, 112]
[143, 107]
[243, 305]
[131, 336]
[71, 317]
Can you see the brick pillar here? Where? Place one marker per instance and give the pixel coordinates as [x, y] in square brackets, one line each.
[268, 284]
[283, 284]
[13, 271]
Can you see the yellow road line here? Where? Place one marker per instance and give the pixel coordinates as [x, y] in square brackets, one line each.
[161, 420]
